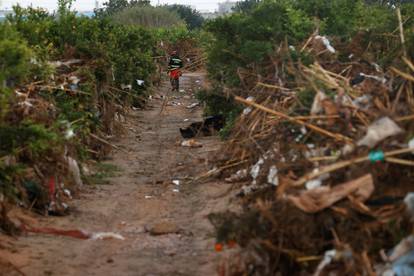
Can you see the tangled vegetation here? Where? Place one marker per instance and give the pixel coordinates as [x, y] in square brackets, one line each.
[148, 16]
[66, 82]
[277, 57]
[248, 39]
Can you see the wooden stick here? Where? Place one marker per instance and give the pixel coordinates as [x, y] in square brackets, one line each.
[106, 142]
[344, 164]
[399, 161]
[308, 259]
[336, 136]
[409, 63]
[400, 25]
[405, 118]
[403, 74]
[312, 117]
[317, 117]
[218, 170]
[272, 86]
[309, 40]
[323, 158]
[397, 98]
[164, 104]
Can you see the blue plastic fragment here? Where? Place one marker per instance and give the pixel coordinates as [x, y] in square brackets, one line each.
[404, 266]
[376, 156]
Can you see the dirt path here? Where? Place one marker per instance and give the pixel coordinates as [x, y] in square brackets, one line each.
[140, 197]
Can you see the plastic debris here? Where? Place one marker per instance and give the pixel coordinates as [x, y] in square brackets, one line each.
[357, 80]
[327, 43]
[126, 86]
[320, 198]
[74, 80]
[316, 183]
[378, 131]
[331, 256]
[313, 184]
[364, 102]
[409, 204]
[317, 106]
[404, 266]
[379, 79]
[255, 170]
[193, 105]
[140, 82]
[69, 134]
[78, 234]
[272, 177]
[218, 247]
[238, 176]
[411, 144]
[191, 144]
[328, 257]
[67, 193]
[106, 236]
[176, 182]
[74, 169]
[248, 109]
[376, 156]
[402, 258]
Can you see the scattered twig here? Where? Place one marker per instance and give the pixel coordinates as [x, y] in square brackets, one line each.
[106, 142]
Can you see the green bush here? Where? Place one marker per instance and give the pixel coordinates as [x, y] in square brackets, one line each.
[242, 40]
[34, 137]
[259, 29]
[336, 17]
[111, 54]
[192, 17]
[15, 56]
[147, 16]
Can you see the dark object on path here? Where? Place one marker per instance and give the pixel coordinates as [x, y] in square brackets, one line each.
[357, 80]
[208, 127]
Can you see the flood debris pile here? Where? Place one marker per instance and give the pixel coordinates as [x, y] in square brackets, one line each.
[321, 156]
[67, 85]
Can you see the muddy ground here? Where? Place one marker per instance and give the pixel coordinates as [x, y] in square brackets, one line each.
[140, 197]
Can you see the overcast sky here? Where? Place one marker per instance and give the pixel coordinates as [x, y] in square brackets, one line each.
[84, 5]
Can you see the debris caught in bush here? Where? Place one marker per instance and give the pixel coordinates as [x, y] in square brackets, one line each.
[321, 150]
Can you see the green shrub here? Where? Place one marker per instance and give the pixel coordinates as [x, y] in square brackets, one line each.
[15, 56]
[147, 16]
[112, 54]
[241, 40]
[192, 17]
[34, 137]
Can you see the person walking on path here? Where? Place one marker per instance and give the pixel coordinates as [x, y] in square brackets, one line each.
[175, 73]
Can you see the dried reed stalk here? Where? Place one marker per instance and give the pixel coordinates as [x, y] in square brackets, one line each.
[336, 136]
[347, 163]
